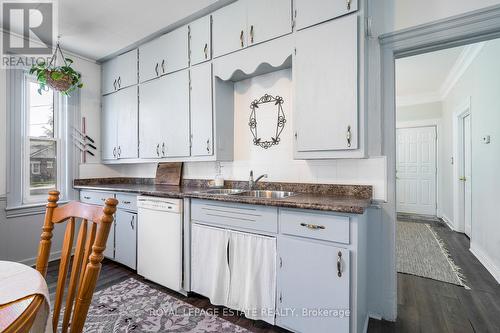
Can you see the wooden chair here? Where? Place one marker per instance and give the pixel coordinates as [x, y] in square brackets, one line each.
[87, 258]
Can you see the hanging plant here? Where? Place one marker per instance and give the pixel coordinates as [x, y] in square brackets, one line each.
[61, 78]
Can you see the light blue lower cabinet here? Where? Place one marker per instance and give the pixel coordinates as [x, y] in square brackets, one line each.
[126, 238]
[313, 286]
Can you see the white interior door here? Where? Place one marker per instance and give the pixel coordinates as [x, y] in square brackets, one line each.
[416, 170]
[467, 142]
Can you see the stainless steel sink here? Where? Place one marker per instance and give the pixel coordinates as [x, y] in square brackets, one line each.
[266, 194]
[223, 191]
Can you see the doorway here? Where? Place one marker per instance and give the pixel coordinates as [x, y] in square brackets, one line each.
[416, 164]
[464, 171]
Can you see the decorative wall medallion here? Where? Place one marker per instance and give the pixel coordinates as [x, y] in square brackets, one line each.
[280, 121]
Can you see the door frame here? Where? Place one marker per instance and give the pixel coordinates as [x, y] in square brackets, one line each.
[461, 112]
[475, 26]
[436, 123]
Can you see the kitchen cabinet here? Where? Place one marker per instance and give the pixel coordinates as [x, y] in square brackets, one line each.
[268, 19]
[201, 110]
[119, 125]
[200, 45]
[325, 73]
[125, 238]
[120, 72]
[313, 276]
[165, 54]
[246, 22]
[308, 13]
[164, 117]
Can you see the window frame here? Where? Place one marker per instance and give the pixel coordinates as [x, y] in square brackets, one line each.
[67, 155]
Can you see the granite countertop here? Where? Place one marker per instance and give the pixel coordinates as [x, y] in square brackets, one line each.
[353, 199]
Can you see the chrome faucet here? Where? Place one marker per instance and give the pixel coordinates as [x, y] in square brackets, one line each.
[252, 182]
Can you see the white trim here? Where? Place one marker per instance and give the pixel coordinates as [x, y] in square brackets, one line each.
[462, 63]
[486, 261]
[449, 222]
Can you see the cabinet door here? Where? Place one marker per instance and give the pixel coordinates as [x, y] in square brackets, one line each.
[201, 110]
[200, 48]
[109, 125]
[309, 12]
[152, 117]
[175, 126]
[229, 28]
[109, 252]
[126, 238]
[109, 77]
[326, 86]
[268, 19]
[127, 118]
[308, 279]
[174, 55]
[126, 69]
[150, 55]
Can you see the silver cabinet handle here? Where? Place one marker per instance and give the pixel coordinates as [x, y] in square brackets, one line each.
[132, 222]
[114, 84]
[205, 50]
[119, 151]
[126, 202]
[119, 82]
[87, 197]
[114, 151]
[312, 226]
[251, 34]
[158, 149]
[349, 4]
[208, 146]
[163, 66]
[241, 38]
[339, 264]
[163, 149]
[348, 136]
[156, 69]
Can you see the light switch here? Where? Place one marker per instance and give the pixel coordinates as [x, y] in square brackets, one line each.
[486, 139]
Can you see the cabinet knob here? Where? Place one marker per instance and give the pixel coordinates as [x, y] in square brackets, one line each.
[163, 149]
[114, 84]
[163, 66]
[348, 136]
[251, 34]
[114, 151]
[348, 3]
[119, 82]
[156, 69]
[208, 146]
[312, 226]
[241, 39]
[132, 222]
[158, 149]
[205, 50]
[86, 197]
[119, 151]
[339, 264]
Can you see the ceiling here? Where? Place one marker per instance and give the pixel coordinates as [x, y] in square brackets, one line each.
[423, 76]
[99, 28]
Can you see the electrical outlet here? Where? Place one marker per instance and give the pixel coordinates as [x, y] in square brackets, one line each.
[486, 139]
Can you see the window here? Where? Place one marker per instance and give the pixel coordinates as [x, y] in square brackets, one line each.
[41, 143]
[40, 152]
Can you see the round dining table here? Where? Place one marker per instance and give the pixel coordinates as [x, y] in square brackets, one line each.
[24, 298]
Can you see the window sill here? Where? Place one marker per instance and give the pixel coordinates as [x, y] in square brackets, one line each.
[27, 210]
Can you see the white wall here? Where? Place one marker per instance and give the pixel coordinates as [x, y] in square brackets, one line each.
[481, 82]
[418, 112]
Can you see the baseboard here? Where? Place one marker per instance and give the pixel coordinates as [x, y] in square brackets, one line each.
[448, 222]
[486, 261]
[32, 261]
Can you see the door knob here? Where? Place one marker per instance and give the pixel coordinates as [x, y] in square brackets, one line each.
[462, 178]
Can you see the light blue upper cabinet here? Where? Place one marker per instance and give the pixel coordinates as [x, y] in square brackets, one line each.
[119, 72]
[166, 54]
[200, 46]
[248, 22]
[201, 110]
[325, 75]
[308, 13]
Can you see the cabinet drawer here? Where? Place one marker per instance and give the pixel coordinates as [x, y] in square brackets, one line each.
[127, 201]
[95, 197]
[317, 225]
[250, 217]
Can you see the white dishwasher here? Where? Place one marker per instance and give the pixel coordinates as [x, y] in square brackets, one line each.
[159, 240]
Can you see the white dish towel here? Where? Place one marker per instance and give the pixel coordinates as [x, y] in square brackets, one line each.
[18, 281]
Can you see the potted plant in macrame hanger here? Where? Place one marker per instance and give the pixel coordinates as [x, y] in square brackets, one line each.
[61, 78]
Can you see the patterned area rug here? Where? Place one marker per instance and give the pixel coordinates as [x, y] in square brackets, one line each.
[420, 251]
[132, 306]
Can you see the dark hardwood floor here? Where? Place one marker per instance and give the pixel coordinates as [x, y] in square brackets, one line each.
[424, 305]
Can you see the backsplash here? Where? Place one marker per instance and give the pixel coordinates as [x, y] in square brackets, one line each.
[276, 161]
